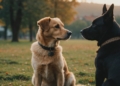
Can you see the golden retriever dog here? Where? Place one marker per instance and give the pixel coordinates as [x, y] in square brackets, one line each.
[49, 65]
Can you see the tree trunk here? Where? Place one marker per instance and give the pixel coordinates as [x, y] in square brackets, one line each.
[15, 22]
[30, 31]
[5, 32]
[15, 33]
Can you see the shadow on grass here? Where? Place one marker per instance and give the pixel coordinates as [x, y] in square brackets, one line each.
[4, 61]
[86, 80]
[15, 77]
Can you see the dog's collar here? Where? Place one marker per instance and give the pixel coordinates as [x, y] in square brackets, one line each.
[50, 49]
[47, 48]
[111, 40]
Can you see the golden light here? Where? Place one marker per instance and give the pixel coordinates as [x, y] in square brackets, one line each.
[0, 0]
[116, 2]
[1, 7]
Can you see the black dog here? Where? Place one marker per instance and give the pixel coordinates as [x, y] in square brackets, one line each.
[106, 31]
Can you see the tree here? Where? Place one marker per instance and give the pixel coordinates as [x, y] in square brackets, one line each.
[64, 9]
[26, 13]
[16, 14]
[12, 14]
[42, 8]
[33, 12]
[4, 15]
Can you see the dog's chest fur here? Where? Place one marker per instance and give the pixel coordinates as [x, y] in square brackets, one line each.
[46, 65]
[41, 55]
[47, 72]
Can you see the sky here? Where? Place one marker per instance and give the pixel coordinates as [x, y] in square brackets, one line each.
[116, 2]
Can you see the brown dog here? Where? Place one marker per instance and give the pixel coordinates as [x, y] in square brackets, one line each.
[49, 65]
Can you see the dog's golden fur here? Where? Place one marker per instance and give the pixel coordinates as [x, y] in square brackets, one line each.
[50, 70]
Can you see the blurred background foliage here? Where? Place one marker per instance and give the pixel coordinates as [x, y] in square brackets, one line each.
[21, 15]
[18, 17]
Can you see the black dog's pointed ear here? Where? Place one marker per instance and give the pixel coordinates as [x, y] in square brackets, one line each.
[109, 16]
[104, 9]
[110, 11]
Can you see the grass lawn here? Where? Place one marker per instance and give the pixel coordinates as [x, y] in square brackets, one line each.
[15, 62]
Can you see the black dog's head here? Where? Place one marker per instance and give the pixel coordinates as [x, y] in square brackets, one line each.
[102, 27]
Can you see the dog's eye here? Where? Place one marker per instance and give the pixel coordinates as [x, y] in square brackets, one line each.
[57, 26]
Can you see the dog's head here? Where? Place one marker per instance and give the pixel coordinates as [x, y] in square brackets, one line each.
[53, 28]
[101, 26]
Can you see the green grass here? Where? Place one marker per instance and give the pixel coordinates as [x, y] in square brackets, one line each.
[15, 61]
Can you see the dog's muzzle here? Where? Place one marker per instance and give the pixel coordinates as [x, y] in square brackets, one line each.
[67, 36]
[81, 31]
[85, 34]
[69, 33]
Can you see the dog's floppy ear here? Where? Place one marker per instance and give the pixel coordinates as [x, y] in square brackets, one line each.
[104, 9]
[109, 16]
[44, 23]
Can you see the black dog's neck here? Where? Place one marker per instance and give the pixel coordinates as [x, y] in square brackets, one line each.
[113, 31]
[109, 49]
[110, 41]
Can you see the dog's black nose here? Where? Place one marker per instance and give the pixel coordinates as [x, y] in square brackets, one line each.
[69, 33]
